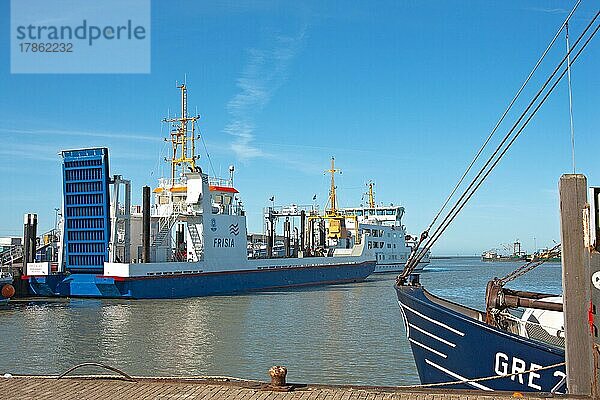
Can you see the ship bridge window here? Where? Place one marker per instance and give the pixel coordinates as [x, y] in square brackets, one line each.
[371, 212]
[227, 200]
[359, 213]
[390, 212]
[219, 199]
[380, 212]
[163, 200]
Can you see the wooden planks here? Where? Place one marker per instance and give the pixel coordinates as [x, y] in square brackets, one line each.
[83, 389]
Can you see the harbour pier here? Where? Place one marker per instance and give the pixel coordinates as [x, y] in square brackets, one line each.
[81, 388]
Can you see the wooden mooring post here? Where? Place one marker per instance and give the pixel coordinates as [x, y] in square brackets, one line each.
[576, 282]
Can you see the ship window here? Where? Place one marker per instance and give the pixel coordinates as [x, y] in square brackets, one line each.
[371, 212]
[381, 244]
[359, 213]
[227, 200]
[370, 245]
[380, 212]
[394, 246]
[389, 246]
[390, 212]
[219, 199]
[163, 200]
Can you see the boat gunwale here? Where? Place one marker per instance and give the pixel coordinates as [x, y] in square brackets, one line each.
[435, 300]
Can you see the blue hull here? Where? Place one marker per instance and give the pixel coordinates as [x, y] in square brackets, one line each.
[450, 343]
[196, 285]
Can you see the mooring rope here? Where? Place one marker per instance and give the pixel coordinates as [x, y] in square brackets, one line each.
[135, 378]
[475, 380]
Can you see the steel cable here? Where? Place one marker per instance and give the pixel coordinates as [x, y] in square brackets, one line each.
[417, 255]
[512, 102]
[454, 211]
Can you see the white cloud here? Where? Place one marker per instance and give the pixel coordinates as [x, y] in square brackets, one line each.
[78, 133]
[263, 75]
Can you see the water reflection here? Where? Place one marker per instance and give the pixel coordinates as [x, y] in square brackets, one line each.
[334, 334]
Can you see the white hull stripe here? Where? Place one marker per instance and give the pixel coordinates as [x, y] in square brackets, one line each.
[434, 351]
[431, 335]
[451, 329]
[457, 376]
[406, 324]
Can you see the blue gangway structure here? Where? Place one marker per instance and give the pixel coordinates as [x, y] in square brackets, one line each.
[86, 209]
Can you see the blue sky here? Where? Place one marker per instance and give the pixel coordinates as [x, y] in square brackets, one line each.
[400, 92]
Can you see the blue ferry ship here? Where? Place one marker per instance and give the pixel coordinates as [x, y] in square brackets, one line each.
[191, 242]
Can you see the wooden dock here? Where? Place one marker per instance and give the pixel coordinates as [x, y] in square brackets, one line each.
[40, 388]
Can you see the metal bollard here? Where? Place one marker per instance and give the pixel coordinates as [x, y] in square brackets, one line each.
[278, 374]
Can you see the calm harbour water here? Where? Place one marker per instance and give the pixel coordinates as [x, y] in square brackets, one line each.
[342, 334]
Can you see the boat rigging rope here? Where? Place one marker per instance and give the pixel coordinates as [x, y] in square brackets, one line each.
[522, 270]
[493, 160]
[208, 155]
[512, 102]
[570, 97]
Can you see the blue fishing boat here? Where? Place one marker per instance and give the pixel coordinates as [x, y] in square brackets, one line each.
[453, 343]
[523, 341]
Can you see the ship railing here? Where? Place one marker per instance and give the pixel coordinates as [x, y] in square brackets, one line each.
[292, 209]
[214, 181]
[170, 182]
[11, 255]
[167, 210]
[228, 209]
[533, 330]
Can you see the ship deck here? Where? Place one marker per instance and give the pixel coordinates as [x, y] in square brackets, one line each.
[31, 387]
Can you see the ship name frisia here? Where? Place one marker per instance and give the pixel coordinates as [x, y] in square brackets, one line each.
[223, 242]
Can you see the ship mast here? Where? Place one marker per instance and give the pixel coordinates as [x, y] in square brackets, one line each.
[182, 139]
[371, 194]
[332, 211]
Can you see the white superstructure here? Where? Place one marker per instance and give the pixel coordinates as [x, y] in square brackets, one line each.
[385, 236]
[198, 224]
